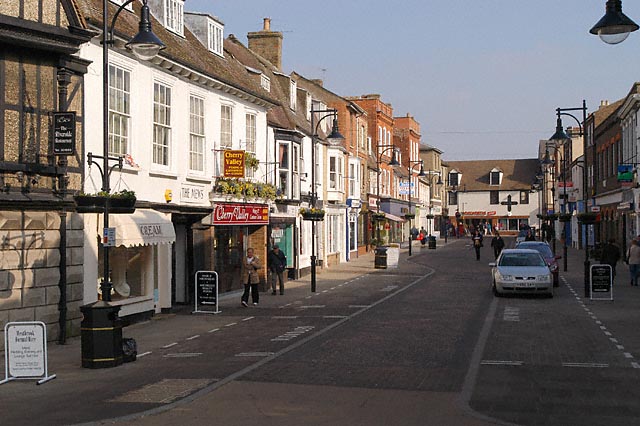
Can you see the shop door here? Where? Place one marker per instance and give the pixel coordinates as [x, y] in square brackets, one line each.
[228, 253]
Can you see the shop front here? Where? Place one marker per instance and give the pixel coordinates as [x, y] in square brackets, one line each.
[282, 231]
[237, 227]
[140, 261]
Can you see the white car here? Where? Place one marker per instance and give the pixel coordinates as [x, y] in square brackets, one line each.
[521, 271]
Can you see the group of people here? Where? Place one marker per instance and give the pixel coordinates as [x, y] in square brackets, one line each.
[610, 254]
[249, 275]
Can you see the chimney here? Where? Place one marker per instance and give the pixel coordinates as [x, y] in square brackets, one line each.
[267, 44]
[318, 82]
[604, 103]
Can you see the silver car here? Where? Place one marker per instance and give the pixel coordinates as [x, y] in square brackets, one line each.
[521, 271]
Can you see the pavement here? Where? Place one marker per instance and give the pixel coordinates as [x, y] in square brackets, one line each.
[78, 394]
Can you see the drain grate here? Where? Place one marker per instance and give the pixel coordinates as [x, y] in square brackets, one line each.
[164, 392]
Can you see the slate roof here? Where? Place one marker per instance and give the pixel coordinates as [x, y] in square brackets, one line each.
[517, 174]
[187, 50]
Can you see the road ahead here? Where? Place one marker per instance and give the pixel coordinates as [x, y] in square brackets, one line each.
[425, 344]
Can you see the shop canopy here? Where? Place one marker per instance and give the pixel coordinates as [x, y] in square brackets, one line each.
[393, 217]
[143, 227]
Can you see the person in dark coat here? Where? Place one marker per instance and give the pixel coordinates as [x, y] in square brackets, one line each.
[277, 262]
[477, 243]
[497, 243]
[610, 255]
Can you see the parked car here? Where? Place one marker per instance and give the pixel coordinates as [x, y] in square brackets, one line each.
[521, 271]
[544, 249]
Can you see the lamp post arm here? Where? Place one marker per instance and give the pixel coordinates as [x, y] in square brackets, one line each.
[113, 21]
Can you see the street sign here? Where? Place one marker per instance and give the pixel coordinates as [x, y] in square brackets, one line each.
[108, 237]
[601, 279]
[25, 354]
[207, 292]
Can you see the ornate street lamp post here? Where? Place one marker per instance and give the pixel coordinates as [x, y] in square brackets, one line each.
[614, 27]
[430, 174]
[144, 45]
[334, 138]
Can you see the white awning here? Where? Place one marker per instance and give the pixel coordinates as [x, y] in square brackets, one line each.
[393, 217]
[143, 227]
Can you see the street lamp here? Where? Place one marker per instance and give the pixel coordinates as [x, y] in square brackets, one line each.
[561, 137]
[334, 138]
[144, 45]
[430, 175]
[614, 27]
[412, 165]
[393, 163]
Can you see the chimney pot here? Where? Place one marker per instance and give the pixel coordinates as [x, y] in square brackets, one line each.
[267, 24]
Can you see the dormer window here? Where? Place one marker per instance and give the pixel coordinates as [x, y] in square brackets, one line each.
[293, 94]
[215, 39]
[265, 82]
[174, 16]
[454, 179]
[495, 177]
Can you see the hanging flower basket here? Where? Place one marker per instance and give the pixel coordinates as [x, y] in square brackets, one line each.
[587, 218]
[312, 214]
[552, 216]
[122, 202]
[409, 216]
[564, 217]
[377, 216]
[430, 216]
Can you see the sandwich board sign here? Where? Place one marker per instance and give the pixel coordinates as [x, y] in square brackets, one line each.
[207, 292]
[601, 282]
[25, 355]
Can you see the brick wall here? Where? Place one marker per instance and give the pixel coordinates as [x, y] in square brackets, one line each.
[29, 270]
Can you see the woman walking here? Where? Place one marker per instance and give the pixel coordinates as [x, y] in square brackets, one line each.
[477, 242]
[633, 259]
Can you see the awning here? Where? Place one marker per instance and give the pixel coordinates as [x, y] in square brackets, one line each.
[393, 217]
[143, 227]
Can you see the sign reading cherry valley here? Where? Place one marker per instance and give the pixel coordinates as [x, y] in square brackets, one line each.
[240, 214]
[233, 163]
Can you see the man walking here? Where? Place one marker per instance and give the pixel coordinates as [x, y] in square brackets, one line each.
[477, 243]
[250, 278]
[277, 262]
[497, 243]
[633, 259]
[610, 255]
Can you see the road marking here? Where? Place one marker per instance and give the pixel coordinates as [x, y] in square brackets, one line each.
[334, 316]
[635, 365]
[285, 317]
[308, 297]
[359, 306]
[311, 307]
[389, 288]
[254, 354]
[169, 345]
[584, 365]
[231, 324]
[599, 322]
[620, 347]
[607, 333]
[248, 318]
[511, 314]
[628, 355]
[614, 340]
[495, 362]
[213, 331]
[297, 332]
[324, 291]
[183, 355]
[602, 327]
[144, 354]
[193, 337]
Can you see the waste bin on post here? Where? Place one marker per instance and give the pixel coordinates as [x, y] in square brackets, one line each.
[381, 258]
[101, 336]
[432, 242]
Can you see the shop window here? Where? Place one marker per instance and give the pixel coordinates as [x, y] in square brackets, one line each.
[524, 197]
[129, 271]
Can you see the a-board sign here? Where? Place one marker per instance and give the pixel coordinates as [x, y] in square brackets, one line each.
[26, 352]
[601, 281]
[393, 257]
[207, 292]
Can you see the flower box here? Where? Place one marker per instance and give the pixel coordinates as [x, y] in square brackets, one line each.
[312, 214]
[97, 203]
[377, 216]
[409, 216]
[587, 218]
[565, 217]
[430, 216]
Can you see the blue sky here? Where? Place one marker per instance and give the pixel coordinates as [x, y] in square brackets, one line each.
[483, 77]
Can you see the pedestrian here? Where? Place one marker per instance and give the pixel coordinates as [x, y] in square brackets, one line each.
[530, 236]
[477, 243]
[250, 279]
[497, 243]
[610, 255]
[633, 259]
[277, 262]
[489, 228]
[414, 233]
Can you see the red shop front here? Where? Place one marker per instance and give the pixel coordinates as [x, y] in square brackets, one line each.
[237, 227]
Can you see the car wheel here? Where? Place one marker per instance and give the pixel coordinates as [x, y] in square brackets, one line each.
[496, 293]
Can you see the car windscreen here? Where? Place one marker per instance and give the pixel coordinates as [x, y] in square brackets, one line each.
[543, 249]
[521, 259]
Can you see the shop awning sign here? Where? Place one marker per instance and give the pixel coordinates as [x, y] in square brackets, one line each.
[240, 214]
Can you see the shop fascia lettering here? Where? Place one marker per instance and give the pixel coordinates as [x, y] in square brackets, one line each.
[150, 230]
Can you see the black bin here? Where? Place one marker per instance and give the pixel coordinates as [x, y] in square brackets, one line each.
[381, 258]
[432, 242]
[101, 336]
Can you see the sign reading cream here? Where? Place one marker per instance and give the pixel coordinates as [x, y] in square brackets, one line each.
[240, 214]
[233, 163]
[26, 352]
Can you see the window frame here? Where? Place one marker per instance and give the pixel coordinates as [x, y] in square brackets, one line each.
[215, 39]
[125, 115]
[174, 16]
[197, 135]
[164, 126]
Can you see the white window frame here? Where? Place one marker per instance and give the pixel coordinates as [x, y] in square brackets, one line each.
[336, 175]
[161, 149]
[215, 38]
[174, 16]
[251, 131]
[265, 82]
[293, 94]
[226, 126]
[197, 141]
[120, 111]
[284, 168]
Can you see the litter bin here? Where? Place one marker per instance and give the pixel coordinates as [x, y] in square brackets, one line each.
[101, 336]
[381, 258]
[432, 242]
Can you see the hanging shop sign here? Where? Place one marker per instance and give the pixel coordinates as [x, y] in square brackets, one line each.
[233, 163]
[25, 354]
[64, 133]
[625, 173]
[240, 214]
